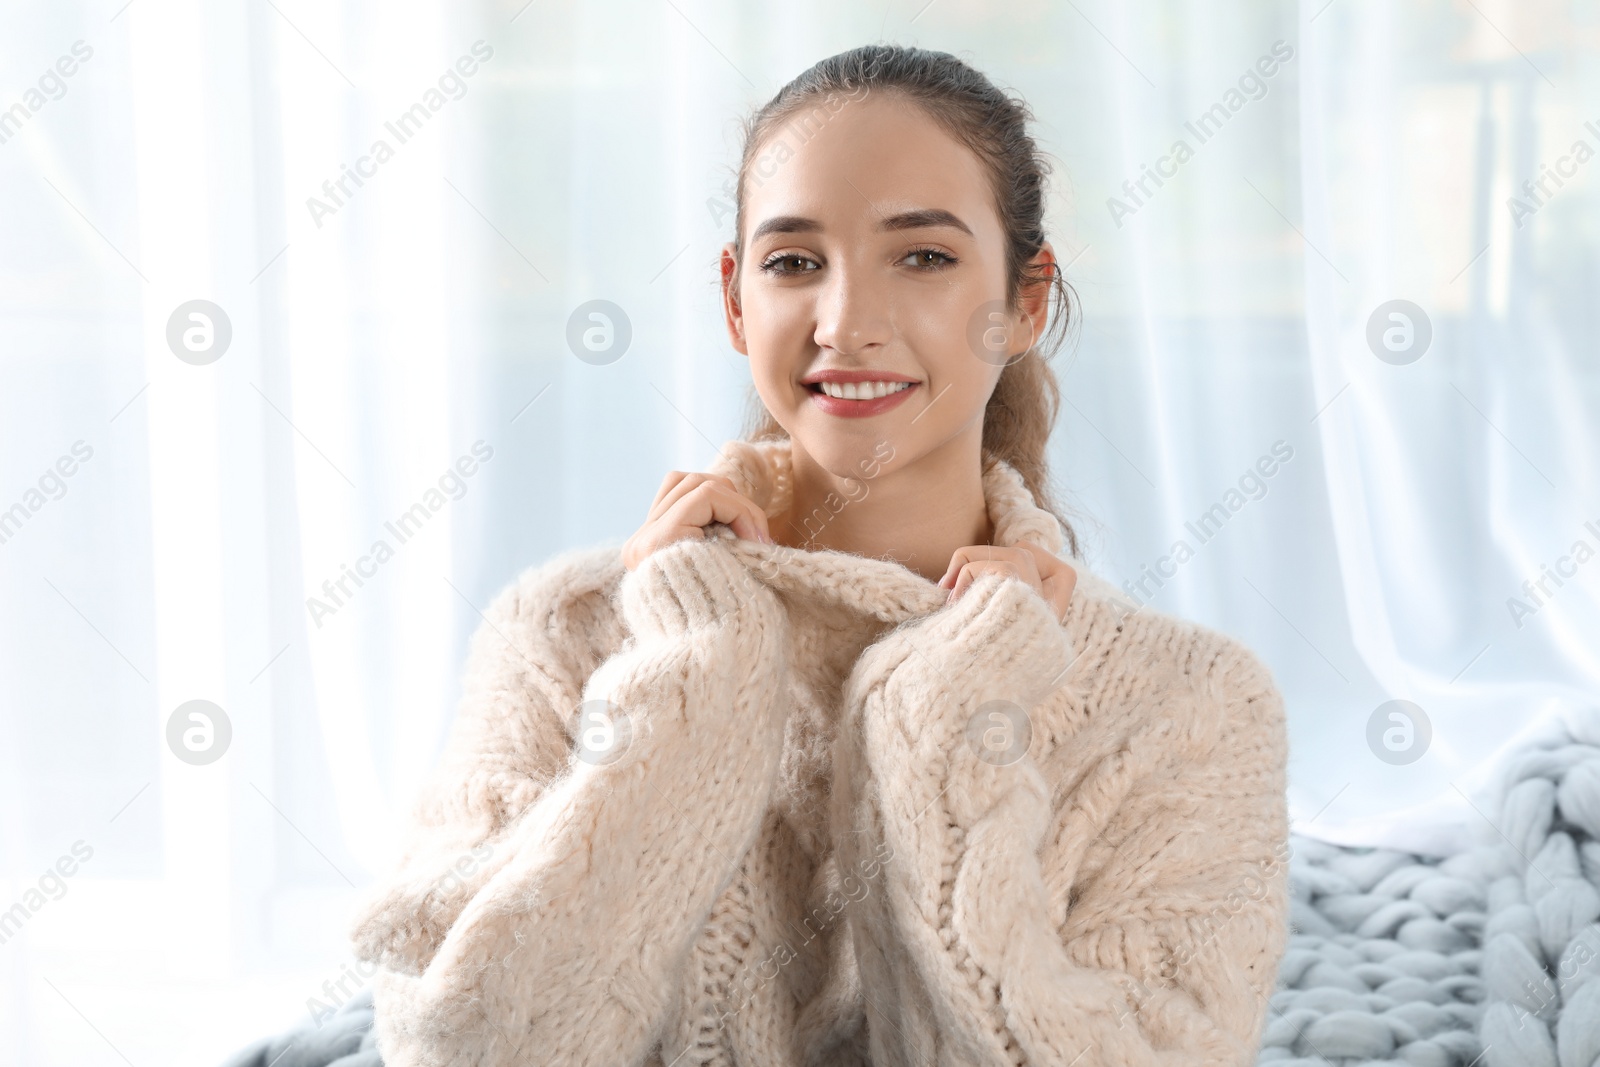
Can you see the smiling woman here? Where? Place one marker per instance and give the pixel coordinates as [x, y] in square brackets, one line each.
[908, 784]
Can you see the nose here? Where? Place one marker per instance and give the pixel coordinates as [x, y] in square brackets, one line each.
[853, 311]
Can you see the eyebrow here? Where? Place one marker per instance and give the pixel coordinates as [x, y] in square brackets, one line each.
[921, 219]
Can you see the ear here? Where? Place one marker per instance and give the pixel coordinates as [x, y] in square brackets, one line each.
[731, 311]
[1034, 300]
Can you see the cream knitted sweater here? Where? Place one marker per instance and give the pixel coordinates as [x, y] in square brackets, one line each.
[838, 822]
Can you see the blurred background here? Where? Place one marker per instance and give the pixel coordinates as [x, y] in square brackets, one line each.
[224, 377]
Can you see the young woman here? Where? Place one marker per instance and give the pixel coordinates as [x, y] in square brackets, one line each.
[838, 760]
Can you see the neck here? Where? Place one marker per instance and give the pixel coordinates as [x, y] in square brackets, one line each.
[917, 515]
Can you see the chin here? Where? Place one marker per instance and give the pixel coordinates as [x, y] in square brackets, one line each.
[847, 452]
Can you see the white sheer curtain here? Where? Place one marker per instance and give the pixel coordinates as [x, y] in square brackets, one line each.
[1232, 310]
[398, 371]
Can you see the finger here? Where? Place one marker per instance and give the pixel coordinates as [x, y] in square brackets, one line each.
[960, 558]
[673, 487]
[711, 502]
[668, 480]
[750, 522]
[755, 529]
[971, 572]
[1060, 578]
[685, 483]
[1042, 559]
[985, 553]
[1058, 589]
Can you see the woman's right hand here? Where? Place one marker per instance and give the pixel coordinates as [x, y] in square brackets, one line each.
[687, 503]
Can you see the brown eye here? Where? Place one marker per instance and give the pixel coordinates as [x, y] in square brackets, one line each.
[930, 259]
[778, 264]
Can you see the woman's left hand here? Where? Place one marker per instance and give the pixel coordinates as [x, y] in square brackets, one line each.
[1044, 573]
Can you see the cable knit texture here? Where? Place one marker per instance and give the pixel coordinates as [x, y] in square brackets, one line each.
[837, 821]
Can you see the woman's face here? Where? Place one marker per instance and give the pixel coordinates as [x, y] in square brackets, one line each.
[872, 250]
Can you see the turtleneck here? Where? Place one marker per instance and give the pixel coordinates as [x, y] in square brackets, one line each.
[761, 471]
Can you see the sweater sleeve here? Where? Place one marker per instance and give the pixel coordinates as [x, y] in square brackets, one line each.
[572, 948]
[509, 740]
[1012, 922]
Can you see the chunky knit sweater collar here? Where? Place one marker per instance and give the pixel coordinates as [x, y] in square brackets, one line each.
[661, 835]
[761, 471]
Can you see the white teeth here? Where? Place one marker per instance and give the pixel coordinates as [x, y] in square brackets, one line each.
[862, 390]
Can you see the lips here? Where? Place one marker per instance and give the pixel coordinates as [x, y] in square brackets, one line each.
[860, 408]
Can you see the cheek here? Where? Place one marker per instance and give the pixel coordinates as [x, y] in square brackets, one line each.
[945, 327]
[773, 384]
[778, 337]
[777, 321]
[961, 381]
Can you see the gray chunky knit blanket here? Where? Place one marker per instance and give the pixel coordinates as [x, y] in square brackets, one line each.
[1484, 958]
